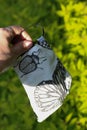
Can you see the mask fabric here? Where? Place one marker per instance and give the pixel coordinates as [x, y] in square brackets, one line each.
[44, 78]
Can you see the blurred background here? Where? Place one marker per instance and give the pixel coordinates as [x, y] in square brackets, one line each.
[65, 25]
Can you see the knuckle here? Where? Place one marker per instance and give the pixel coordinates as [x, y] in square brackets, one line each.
[2, 30]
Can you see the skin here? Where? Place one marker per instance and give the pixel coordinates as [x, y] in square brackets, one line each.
[9, 51]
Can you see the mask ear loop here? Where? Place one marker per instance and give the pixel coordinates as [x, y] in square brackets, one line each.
[42, 34]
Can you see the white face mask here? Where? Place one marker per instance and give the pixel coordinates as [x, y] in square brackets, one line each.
[44, 78]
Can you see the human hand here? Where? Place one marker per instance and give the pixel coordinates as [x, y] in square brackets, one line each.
[8, 51]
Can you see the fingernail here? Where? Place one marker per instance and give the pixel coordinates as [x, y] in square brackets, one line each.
[26, 35]
[27, 44]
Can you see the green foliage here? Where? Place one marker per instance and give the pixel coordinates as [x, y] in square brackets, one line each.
[65, 24]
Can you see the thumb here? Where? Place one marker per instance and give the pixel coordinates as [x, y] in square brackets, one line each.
[21, 47]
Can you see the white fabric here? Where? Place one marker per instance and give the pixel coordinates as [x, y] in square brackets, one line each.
[44, 79]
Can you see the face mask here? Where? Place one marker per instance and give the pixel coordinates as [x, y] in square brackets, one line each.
[44, 79]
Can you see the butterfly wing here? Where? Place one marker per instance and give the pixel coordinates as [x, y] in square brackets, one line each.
[49, 95]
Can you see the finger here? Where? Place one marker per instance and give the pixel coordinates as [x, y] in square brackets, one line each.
[25, 35]
[21, 37]
[17, 30]
[21, 47]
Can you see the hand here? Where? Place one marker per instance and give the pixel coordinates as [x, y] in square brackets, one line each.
[8, 51]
